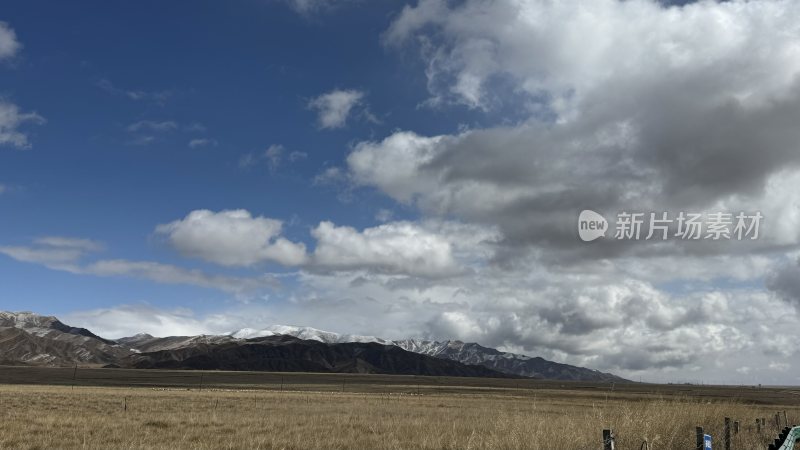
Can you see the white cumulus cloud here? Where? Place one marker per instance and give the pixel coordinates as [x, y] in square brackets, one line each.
[202, 142]
[396, 248]
[152, 125]
[11, 119]
[333, 108]
[232, 238]
[9, 45]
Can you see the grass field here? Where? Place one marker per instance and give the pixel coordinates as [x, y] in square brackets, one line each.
[39, 409]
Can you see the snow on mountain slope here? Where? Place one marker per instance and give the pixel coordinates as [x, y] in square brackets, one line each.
[35, 339]
[44, 326]
[30, 322]
[25, 320]
[306, 333]
[472, 353]
[146, 343]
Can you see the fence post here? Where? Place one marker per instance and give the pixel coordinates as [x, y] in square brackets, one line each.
[778, 420]
[785, 420]
[727, 433]
[758, 425]
[608, 440]
[735, 427]
[700, 438]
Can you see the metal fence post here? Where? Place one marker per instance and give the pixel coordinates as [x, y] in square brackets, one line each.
[608, 440]
[700, 438]
[727, 433]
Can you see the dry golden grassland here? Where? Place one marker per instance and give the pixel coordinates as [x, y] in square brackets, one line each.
[546, 417]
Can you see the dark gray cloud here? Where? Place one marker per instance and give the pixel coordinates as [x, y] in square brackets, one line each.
[631, 106]
[679, 121]
[785, 281]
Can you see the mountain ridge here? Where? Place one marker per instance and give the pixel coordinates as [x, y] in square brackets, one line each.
[456, 350]
[285, 353]
[29, 338]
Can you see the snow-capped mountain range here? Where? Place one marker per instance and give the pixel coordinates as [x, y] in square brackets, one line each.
[466, 353]
[30, 338]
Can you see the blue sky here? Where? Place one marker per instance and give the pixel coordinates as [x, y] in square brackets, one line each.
[407, 168]
[238, 77]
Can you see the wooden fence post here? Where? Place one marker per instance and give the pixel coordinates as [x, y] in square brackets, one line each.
[785, 420]
[758, 425]
[735, 427]
[700, 437]
[608, 440]
[727, 433]
[778, 420]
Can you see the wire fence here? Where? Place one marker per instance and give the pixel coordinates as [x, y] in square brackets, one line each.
[788, 438]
